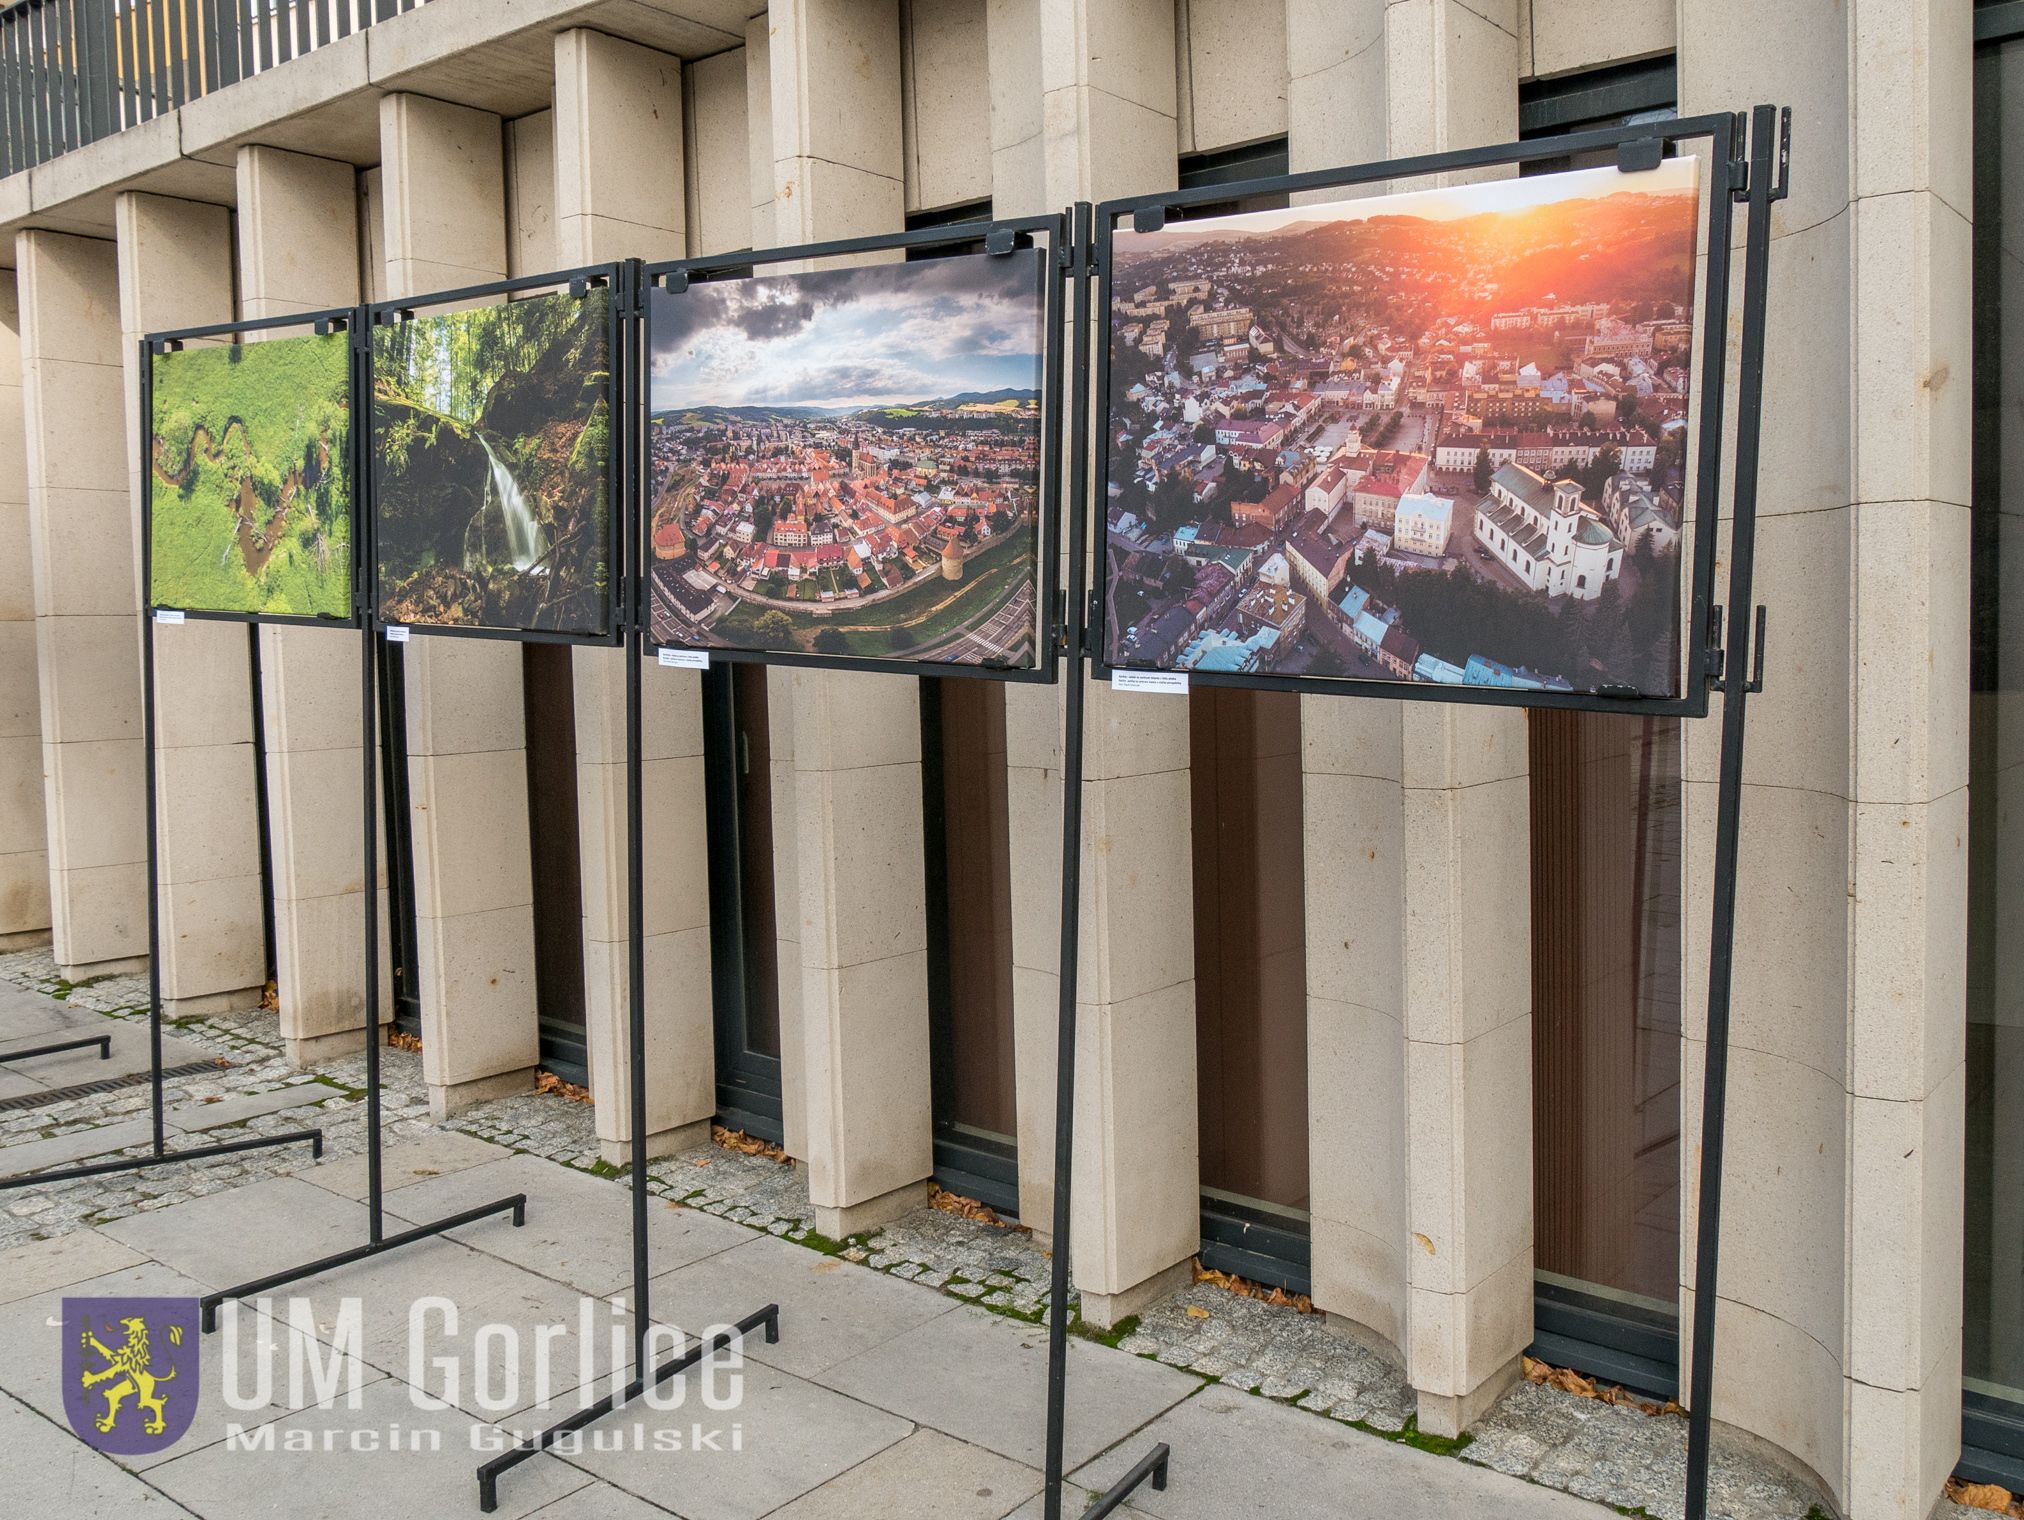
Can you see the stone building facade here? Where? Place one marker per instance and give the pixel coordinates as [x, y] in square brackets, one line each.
[464, 141]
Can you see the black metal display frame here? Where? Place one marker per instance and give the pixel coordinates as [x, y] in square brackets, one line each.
[576, 283]
[1009, 235]
[154, 615]
[1748, 164]
[329, 322]
[1643, 146]
[377, 1241]
[627, 445]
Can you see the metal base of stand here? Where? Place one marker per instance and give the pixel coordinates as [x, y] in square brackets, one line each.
[164, 1158]
[489, 1473]
[1152, 1465]
[102, 1041]
[210, 1301]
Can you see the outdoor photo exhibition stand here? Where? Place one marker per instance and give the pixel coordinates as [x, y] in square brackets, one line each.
[1744, 160]
[377, 1241]
[324, 322]
[627, 582]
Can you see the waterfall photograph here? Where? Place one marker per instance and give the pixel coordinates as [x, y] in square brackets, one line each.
[250, 503]
[491, 432]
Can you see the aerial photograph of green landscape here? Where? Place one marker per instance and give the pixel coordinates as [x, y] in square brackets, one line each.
[251, 500]
[491, 445]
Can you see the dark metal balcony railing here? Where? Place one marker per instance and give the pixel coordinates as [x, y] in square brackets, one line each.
[73, 71]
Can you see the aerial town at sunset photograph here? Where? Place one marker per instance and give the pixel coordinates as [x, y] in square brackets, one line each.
[1436, 436]
[847, 462]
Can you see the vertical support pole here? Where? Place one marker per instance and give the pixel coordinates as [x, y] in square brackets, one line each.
[370, 676]
[630, 300]
[1738, 676]
[157, 1099]
[1073, 673]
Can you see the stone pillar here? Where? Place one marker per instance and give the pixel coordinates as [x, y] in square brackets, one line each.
[1912, 266]
[1420, 1015]
[1033, 714]
[88, 661]
[443, 178]
[718, 152]
[759, 132]
[1840, 1342]
[298, 252]
[834, 126]
[1107, 119]
[24, 835]
[617, 103]
[175, 261]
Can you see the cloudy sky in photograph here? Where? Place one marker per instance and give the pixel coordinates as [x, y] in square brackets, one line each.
[880, 335]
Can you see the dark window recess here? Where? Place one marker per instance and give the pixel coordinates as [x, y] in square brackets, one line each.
[1250, 983]
[398, 854]
[1620, 96]
[968, 844]
[266, 834]
[744, 943]
[1250, 923]
[548, 688]
[948, 216]
[1992, 1332]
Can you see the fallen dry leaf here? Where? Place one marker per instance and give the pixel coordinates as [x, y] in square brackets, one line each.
[1243, 1287]
[550, 1084]
[1196, 1311]
[1986, 1496]
[1567, 1380]
[400, 1039]
[747, 1145]
[972, 1209]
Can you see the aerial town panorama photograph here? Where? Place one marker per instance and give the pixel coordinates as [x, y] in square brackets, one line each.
[1438, 436]
[847, 462]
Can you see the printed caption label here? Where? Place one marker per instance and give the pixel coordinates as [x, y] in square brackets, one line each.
[1169, 683]
[686, 659]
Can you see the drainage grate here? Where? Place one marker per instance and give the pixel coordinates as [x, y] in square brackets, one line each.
[109, 1084]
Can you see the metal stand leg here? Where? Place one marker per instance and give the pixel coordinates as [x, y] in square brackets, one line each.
[159, 1153]
[1154, 1464]
[631, 299]
[102, 1041]
[1768, 143]
[378, 1242]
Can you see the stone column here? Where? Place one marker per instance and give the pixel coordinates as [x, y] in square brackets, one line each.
[24, 835]
[718, 156]
[1107, 119]
[88, 662]
[1839, 1329]
[82, 546]
[298, 252]
[443, 178]
[1911, 423]
[834, 126]
[617, 104]
[175, 260]
[1419, 1016]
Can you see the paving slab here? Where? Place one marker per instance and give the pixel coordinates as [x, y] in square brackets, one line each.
[197, 1117]
[59, 1261]
[245, 1232]
[1074, 1501]
[31, 1342]
[579, 1227]
[24, 1012]
[408, 1161]
[387, 1458]
[982, 1378]
[79, 1145]
[483, 1291]
[928, 1476]
[830, 1309]
[1237, 1454]
[600, 1501]
[791, 1436]
[131, 1053]
[52, 1475]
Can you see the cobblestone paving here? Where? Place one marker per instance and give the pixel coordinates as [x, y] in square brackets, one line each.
[1616, 1455]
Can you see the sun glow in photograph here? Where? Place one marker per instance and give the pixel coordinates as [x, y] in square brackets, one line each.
[1440, 436]
[847, 463]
